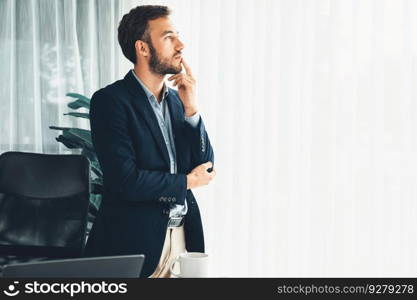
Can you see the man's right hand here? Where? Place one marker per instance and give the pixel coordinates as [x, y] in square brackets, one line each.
[199, 175]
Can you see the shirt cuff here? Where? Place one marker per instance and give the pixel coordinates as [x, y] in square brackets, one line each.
[193, 120]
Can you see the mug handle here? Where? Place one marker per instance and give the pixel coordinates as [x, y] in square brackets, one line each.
[172, 266]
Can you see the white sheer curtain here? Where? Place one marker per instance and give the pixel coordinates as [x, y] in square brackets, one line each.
[310, 106]
[49, 48]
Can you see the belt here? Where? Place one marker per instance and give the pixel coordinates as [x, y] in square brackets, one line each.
[176, 221]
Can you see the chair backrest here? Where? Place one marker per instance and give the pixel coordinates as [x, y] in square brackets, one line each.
[44, 200]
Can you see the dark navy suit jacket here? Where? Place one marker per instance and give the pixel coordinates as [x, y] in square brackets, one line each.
[138, 186]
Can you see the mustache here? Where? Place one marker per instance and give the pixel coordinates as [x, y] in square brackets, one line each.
[178, 53]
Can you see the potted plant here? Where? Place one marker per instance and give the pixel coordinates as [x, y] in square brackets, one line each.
[77, 138]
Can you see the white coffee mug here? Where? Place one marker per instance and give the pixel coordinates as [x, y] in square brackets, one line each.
[192, 264]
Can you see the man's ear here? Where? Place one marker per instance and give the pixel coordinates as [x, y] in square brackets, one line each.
[142, 48]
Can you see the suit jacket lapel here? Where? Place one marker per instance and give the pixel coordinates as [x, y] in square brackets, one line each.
[140, 101]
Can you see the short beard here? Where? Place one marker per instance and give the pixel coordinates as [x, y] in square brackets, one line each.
[158, 66]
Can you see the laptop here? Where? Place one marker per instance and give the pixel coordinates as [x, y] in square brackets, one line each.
[126, 266]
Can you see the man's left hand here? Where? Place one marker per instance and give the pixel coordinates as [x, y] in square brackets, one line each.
[186, 89]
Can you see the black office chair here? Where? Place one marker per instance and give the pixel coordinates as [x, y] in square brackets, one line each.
[44, 201]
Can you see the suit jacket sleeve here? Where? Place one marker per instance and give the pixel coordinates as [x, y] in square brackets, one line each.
[113, 145]
[201, 150]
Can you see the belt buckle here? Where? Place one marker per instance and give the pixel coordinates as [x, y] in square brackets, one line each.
[175, 221]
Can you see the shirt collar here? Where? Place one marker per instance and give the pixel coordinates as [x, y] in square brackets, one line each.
[147, 91]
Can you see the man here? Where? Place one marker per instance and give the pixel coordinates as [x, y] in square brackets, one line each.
[152, 147]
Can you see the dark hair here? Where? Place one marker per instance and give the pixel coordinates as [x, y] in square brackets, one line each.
[134, 26]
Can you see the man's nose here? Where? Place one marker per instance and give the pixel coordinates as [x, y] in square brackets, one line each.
[180, 45]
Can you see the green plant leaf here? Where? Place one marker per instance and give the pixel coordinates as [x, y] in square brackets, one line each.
[75, 137]
[95, 167]
[95, 201]
[91, 155]
[82, 133]
[59, 128]
[79, 115]
[82, 101]
[78, 135]
[98, 181]
[96, 188]
[68, 142]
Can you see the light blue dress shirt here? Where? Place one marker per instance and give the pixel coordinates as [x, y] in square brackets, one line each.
[161, 111]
